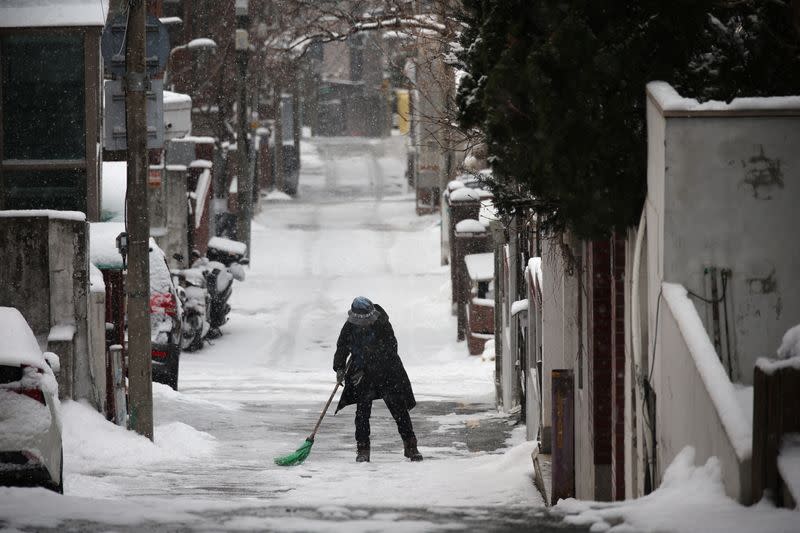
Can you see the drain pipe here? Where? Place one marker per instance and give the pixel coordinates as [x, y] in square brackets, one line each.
[633, 369]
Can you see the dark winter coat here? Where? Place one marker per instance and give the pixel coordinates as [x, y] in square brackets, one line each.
[374, 352]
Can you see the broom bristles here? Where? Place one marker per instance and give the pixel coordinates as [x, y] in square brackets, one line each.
[296, 457]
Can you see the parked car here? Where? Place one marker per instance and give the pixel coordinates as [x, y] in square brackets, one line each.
[31, 451]
[165, 320]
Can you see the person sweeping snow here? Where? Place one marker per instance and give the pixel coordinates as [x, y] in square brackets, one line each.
[375, 371]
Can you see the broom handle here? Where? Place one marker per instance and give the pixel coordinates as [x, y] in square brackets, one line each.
[311, 438]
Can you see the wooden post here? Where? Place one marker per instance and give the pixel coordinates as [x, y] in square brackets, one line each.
[563, 436]
[140, 388]
[776, 412]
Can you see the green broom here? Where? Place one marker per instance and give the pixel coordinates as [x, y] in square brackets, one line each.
[300, 455]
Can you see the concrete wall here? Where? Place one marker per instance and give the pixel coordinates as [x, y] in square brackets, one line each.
[687, 414]
[46, 275]
[723, 190]
[726, 195]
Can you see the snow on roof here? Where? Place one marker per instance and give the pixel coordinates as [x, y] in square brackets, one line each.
[61, 13]
[49, 213]
[519, 306]
[19, 345]
[455, 184]
[668, 99]
[173, 100]
[480, 267]
[470, 225]
[465, 194]
[96, 281]
[115, 183]
[201, 163]
[103, 244]
[227, 245]
[719, 387]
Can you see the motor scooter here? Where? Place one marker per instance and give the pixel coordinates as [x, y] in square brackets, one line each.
[193, 292]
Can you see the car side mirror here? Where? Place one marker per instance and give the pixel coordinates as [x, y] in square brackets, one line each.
[244, 261]
[54, 361]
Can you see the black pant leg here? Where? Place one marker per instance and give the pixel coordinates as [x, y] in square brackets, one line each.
[400, 414]
[363, 412]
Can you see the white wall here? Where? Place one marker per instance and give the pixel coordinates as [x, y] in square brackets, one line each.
[731, 190]
[723, 190]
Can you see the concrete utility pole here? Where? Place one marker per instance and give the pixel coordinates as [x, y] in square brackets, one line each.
[140, 385]
[278, 177]
[244, 184]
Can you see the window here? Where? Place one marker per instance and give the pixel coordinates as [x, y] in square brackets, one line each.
[43, 101]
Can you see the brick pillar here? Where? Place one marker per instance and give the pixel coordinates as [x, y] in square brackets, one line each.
[599, 363]
[618, 367]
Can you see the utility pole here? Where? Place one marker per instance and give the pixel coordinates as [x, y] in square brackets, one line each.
[140, 385]
[278, 178]
[243, 177]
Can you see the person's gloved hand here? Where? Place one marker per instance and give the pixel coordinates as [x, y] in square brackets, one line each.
[357, 377]
[340, 375]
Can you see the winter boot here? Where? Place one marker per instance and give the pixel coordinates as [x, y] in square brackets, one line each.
[410, 449]
[362, 455]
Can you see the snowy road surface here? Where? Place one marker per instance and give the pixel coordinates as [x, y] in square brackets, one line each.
[256, 392]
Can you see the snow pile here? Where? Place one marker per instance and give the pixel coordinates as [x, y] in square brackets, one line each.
[790, 347]
[788, 353]
[691, 498]
[488, 351]
[92, 444]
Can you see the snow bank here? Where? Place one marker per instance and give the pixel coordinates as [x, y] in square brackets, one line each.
[719, 387]
[92, 444]
[691, 498]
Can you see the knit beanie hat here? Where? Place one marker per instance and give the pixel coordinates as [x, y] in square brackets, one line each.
[362, 312]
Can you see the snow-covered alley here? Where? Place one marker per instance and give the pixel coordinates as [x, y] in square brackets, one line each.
[256, 392]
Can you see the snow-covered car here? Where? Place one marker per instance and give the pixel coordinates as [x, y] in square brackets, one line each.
[30, 424]
[165, 320]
